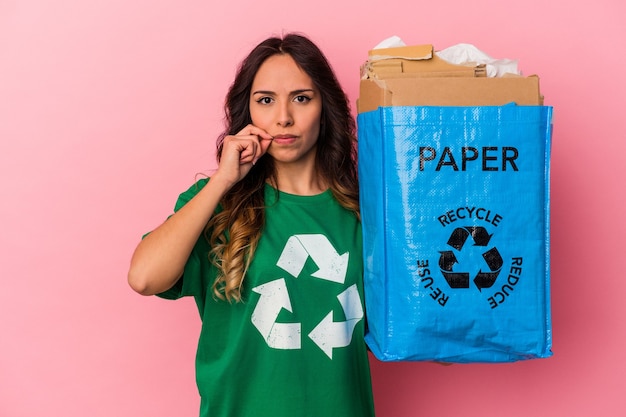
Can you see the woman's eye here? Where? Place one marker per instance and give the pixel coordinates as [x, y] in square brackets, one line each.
[264, 100]
[302, 99]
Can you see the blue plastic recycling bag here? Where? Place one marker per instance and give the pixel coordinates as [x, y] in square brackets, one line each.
[455, 215]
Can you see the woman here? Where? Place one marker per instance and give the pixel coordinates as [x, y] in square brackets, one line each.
[270, 247]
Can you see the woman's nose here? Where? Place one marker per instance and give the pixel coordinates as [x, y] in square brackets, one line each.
[284, 117]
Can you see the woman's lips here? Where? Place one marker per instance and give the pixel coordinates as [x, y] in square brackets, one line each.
[284, 139]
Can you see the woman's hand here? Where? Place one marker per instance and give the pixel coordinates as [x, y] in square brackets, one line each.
[240, 152]
[159, 260]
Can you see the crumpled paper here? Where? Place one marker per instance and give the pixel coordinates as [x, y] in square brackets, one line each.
[464, 53]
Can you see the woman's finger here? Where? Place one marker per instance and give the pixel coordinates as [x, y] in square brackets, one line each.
[254, 130]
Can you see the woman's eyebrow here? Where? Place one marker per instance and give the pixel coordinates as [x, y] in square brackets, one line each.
[303, 90]
[299, 91]
[263, 92]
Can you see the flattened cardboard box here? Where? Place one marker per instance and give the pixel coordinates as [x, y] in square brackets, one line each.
[415, 76]
[416, 61]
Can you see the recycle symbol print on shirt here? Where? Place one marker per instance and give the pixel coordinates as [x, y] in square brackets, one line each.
[274, 296]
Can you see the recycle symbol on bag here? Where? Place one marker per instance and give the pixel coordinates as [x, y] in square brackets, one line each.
[274, 296]
[492, 259]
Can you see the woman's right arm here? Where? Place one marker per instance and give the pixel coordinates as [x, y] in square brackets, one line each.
[159, 259]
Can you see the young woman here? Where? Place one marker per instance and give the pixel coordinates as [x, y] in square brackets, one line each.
[270, 247]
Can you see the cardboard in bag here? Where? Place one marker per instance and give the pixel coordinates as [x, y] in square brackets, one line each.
[416, 61]
[415, 76]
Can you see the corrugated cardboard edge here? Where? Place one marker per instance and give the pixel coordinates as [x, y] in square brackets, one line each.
[417, 52]
[448, 91]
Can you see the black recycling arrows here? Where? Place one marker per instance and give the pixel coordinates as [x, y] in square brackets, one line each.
[447, 260]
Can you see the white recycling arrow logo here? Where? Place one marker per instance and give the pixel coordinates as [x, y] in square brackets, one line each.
[332, 266]
[329, 334]
[274, 297]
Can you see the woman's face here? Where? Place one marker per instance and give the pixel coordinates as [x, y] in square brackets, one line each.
[286, 104]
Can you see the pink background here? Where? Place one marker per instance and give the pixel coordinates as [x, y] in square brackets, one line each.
[109, 108]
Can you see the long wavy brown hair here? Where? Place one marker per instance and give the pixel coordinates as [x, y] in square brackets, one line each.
[235, 231]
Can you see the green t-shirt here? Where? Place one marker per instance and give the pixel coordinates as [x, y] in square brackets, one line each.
[294, 346]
